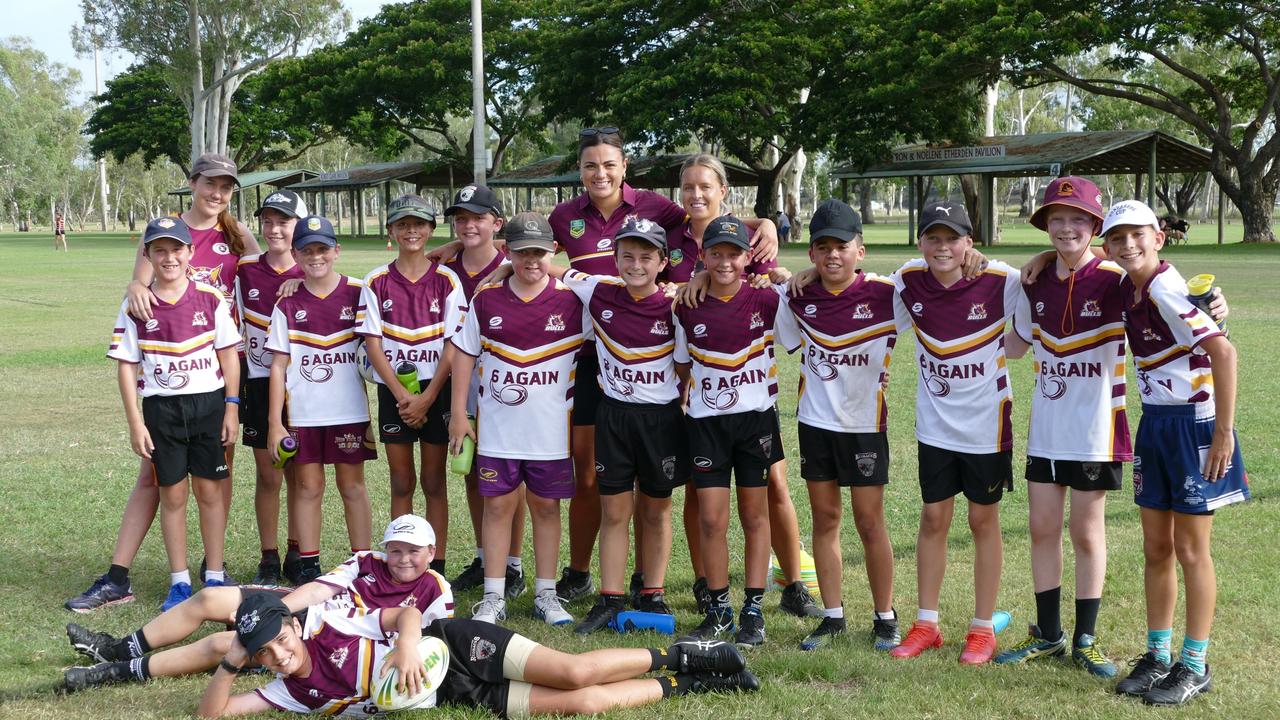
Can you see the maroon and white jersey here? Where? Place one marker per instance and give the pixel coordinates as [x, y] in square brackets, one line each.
[684, 257]
[963, 398]
[845, 341]
[178, 347]
[256, 286]
[212, 261]
[366, 583]
[322, 385]
[347, 649]
[587, 236]
[635, 339]
[729, 342]
[470, 281]
[1076, 330]
[527, 351]
[412, 318]
[59, 226]
[1165, 332]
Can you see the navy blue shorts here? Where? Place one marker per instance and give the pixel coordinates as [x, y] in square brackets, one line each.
[1169, 453]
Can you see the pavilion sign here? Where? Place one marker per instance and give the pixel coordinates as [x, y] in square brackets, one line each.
[971, 152]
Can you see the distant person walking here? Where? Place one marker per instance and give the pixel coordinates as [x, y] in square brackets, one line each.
[59, 232]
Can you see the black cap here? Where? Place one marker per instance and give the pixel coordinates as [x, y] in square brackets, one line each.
[410, 206]
[637, 228]
[166, 227]
[259, 619]
[834, 219]
[529, 230]
[313, 229]
[726, 229]
[477, 199]
[285, 201]
[215, 165]
[947, 213]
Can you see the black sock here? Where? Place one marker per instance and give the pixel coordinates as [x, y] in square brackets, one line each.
[1086, 618]
[291, 547]
[118, 574]
[438, 565]
[271, 557]
[575, 574]
[310, 563]
[1049, 613]
[133, 645]
[719, 598]
[668, 658]
[754, 597]
[677, 684]
[139, 668]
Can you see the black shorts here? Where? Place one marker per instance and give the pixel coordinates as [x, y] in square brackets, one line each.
[983, 478]
[187, 433]
[851, 459]
[641, 444]
[476, 652]
[586, 386]
[254, 402]
[1075, 474]
[743, 445]
[392, 430]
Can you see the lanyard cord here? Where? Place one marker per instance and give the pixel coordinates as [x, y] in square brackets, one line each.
[1067, 315]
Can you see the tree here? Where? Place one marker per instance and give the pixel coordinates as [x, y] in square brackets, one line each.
[207, 50]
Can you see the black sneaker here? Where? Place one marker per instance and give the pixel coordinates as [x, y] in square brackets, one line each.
[797, 601]
[637, 584]
[702, 595]
[741, 681]
[292, 567]
[472, 576]
[826, 631]
[1179, 686]
[98, 645]
[885, 633]
[1147, 671]
[654, 603]
[307, 574]
[574, 585]
[750, 629]
[601, 614]
[515, 586]
[107, 673]
[268, 573]
[709, 656]
[101, 593]
[717, 622]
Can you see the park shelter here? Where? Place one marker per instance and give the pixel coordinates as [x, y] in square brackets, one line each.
[356, 180]
[1144, 153]
[254, 181]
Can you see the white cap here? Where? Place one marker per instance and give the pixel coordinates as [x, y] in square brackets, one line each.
[410, 529]
[1129, 212]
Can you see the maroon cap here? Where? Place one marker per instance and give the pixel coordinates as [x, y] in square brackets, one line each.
[1072, 191]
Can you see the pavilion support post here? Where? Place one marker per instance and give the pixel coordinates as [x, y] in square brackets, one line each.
[912, 198]
[257, 197]
[1222, 213]
[1137, 186]
[988, 210]
[1151, 175]
[357, 212]
[844, 189]
[386, 203]
[528, 198]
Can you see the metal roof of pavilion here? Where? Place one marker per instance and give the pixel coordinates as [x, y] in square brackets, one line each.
[274, 178]
[419, 173]
[1080, 153]
[654, 171]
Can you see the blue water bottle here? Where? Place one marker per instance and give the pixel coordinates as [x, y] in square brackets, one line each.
[633, 620]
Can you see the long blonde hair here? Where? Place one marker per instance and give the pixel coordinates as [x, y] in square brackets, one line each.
[709, 161]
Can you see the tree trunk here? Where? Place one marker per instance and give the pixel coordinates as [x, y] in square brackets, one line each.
[969, 185]
[198, 99]
[766, 181]
[864, 201]
[1255, 211]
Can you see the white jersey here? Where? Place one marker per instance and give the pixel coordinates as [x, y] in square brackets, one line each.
[527, 353]
[323, 386]
[729, 343]
[963, 399]
[364, 582]
[413, 319]
[635, 339]
[178, 347]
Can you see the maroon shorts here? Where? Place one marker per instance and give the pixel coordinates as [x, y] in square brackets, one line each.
[330, 444]
[550, 479]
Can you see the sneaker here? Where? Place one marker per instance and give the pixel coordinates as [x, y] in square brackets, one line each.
[268, 574]
[515, 582]
[750, 629]
[491, 609]
[547, 608]
[1147, 671]
[709, 656]
[107, 673]
[826, 632]
[308, 574]
[741, 681]
[472, 576]
[226, 576]
[226, 582]
[98, 645]
[717, 622]
[797, 601]
[1179, 686]
[177, 593]
[600, 615]
[636, 585]
[1032, 647]
[922, 636]
[292, 567]
[1086, 654]
[885, 633]
[574, 585]
[979, 646]
[702, 595]
[101, 593]
[655, 602]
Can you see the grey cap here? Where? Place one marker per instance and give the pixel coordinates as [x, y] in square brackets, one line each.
[529, 230]
[214, 165]
[410, 206]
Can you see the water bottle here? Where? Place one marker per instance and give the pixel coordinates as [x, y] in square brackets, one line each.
[288, 448]
[407, 374]
[632, 620]
[1000, 620]
[1200, 293]
[460, 464]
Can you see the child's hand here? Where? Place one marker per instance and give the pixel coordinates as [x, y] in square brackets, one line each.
[445, 251]
[408, 664]
[140, 300]
[764, 242]
[1215, 464]
[1218, 309]
[459, 427]
[1035, 266]
[274, 436]
[798, 281]
[669, 290]
[973, 264]
[694, 291]
[140, 441]
[779, 275]
[288, 288]
[413, 411]
[230, 424]
[758, 281]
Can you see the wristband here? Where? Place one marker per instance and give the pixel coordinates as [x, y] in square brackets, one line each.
[232, 399]
[228, 666]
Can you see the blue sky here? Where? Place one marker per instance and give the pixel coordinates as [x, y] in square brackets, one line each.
[47, 24]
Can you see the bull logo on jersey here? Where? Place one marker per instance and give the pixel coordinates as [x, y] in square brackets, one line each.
[977, 311]
[346, 313]
[555, 323]
[339, 657]
[719, 399]
[1091, 309]
[207, 275]
[509, 395]
[866, 463]
[175, 381]
[435, 306]
[409, 601]
[756, 321]
[316, 372]
[577, 228]
[1150, 335]
[677, 257]
[1052, 387]
[198, 318]
[863, 312]
[660, 327]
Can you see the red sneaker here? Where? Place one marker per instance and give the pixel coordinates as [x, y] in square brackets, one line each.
[922, 636]
[979, 646]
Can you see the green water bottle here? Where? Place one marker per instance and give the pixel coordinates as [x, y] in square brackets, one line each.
[460, 464]
[407, 374]
[288, 448]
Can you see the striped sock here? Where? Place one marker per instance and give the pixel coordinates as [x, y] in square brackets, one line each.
[1160, 644]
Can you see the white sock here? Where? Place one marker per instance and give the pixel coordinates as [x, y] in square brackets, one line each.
[514, 562]
[182, 576]
[891, 615]
[495, 586]
[540, 584]
[927, 615]
[480, 555]
[835, 612]
[980, 623]
[218, 575]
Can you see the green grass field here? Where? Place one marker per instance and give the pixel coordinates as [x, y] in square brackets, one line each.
[66, 469]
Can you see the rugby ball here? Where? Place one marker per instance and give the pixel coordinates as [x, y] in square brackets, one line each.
[362, 363]
[435, 664]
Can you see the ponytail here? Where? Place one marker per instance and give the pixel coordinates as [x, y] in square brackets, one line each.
[231, 231]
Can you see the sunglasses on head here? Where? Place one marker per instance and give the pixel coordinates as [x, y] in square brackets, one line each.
[593, 131]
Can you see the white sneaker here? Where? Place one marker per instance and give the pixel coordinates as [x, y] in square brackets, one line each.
[491, 609]
[547, 608]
